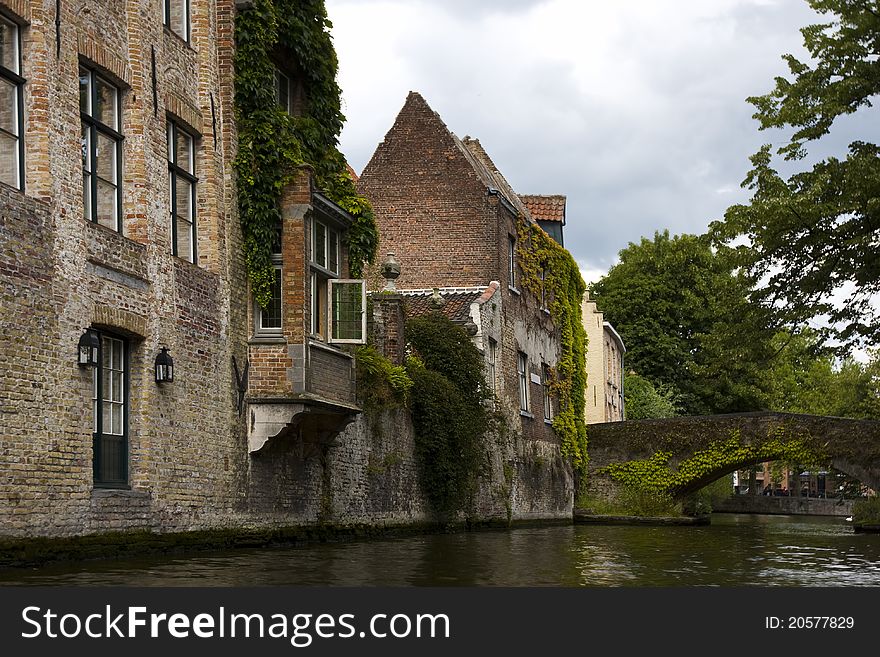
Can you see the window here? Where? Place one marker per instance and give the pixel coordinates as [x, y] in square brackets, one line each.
[176, 17]
[348, 301]
[11, 108]
[337, 307]
[268, 320]
[522, 369]
[101, 149]
[110, 414]
[511, 262]
[548, 400]
[182, 185]
[282, 91]
[324, 266]
[543, 289]
[493, 359]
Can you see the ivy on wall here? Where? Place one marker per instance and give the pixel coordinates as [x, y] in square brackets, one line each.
[720, 457]
[449, 414]
[549, 267]
[272, 143]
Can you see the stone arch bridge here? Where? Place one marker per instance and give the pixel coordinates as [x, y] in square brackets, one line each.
[681, 455]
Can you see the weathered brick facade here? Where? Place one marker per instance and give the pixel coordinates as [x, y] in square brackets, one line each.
[188, 459]
[448, 215]
[248, 433]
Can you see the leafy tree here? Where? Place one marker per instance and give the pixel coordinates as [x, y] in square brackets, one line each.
[684, 313]
[818, 232]
[644, 400]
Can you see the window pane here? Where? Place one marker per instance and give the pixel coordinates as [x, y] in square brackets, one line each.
[117, 419]
[184, 239]
[106, 417]
[87, 196]
[347, 310]
[320, 244]
[9, 160]
[106, 163]
[183, 189]
[271, 315]
[85, 99]
[333, 264]
[177, 18]
[9, 45]
[8, 106]
[106, 203]
[118, 389]
[106, 97]
[86, 141]
[184, 151]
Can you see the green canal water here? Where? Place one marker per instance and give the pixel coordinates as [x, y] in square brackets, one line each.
[735, 550]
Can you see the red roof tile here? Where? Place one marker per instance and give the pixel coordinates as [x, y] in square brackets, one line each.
[545, 208]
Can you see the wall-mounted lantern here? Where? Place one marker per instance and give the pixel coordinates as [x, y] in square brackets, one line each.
[87, 350]
[164, 367]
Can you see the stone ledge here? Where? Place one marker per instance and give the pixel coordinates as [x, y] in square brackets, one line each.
[585, 518]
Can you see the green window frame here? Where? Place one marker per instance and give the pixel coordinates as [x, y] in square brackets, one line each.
[110, 413]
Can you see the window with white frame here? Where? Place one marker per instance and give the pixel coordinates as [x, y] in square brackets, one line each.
[182, 185]
[337, 306]
[268, 320]
[11, 106]
[110, 414]
[548, 399]
[101, 149]
[175, 16]
[522, 370]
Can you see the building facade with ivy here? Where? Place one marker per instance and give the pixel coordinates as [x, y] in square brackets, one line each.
[176, 336]
[467, 244]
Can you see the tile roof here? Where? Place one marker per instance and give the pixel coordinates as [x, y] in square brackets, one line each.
[457, 301]
[545, 207]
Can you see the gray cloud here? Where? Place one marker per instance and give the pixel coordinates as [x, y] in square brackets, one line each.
[636, 111]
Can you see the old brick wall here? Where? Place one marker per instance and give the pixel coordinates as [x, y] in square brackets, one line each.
[420, 177]
[448, 229]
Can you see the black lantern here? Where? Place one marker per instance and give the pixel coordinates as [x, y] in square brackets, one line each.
[164, 367]
[87, 350]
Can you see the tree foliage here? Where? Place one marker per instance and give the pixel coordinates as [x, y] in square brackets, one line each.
[449, 415]
[818, 231]
[644, 400]
[683, 312]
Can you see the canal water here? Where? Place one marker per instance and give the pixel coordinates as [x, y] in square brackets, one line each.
[735, 550]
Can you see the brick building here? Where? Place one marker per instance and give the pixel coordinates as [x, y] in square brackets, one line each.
[604, 392]
[120, 244]
[450, 217]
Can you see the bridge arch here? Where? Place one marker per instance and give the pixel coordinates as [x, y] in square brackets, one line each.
[681, 455]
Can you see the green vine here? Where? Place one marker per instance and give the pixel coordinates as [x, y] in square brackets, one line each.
[381, 384]
[720, 457]
[549, 267]
[450, 418]
[272, 143]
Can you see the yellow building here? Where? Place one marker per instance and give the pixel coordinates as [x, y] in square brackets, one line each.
[605, 350]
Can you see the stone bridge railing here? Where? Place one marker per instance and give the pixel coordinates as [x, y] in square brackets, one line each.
[685, 453]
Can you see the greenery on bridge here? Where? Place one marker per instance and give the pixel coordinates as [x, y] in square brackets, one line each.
[660, 474]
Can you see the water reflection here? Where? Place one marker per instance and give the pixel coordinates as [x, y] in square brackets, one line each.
[736, 550]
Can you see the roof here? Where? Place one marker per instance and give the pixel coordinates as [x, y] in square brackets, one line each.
[457, 301]
[489, 173]
[545, 208]
[616, 335]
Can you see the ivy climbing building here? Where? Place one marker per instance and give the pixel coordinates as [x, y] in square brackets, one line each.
[469, 248]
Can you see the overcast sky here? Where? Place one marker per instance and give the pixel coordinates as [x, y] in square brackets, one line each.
[635, 110]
